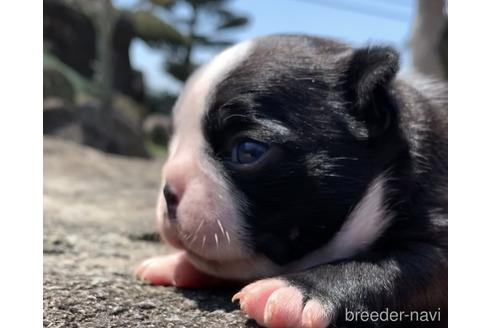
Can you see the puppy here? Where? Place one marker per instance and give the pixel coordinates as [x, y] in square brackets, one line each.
[307, 169]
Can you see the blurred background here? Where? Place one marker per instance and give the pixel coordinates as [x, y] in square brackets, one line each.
[112, 69]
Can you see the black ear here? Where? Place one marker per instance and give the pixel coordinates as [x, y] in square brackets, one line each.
[369, 75]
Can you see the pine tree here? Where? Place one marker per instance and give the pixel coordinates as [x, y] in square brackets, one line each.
[181, 41]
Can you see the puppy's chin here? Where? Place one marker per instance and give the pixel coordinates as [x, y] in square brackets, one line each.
[228, 260]
[246, 269]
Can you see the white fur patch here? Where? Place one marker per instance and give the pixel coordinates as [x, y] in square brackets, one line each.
[209, 223]
[193, 101]
[365, 224]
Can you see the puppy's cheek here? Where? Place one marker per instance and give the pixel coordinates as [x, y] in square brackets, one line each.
[209, 222]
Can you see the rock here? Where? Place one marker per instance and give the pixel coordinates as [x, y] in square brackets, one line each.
[56, 115]
[55, 84]
[118, 310]
[125, 78]
[157, 127]
[83, 124]
[70, 35]
[146, 305]
[95, 208]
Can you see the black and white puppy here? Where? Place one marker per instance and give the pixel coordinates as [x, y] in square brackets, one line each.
[311, 166]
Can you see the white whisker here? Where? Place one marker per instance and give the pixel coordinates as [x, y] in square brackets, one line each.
[220, 226]
[199, 226]
[228, 238]
[195, 234]
[203, 241]
[194, 239]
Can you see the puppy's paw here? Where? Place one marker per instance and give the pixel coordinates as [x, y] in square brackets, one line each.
[174, 270]
[274, 303]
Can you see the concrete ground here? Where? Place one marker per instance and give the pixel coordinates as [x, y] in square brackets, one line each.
[98, 224]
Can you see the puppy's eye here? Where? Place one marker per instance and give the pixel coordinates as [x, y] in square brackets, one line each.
[248, 152]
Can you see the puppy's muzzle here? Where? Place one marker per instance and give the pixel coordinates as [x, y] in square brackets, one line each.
[172, 201]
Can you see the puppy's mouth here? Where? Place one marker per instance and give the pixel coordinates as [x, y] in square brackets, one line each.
[208, 247]
[204, 256]
[214, 244]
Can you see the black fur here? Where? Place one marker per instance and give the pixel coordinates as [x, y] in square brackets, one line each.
[336, 119]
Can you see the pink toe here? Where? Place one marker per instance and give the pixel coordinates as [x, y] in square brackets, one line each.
[143, 265]
[159, 270]
[284, 308]
[186, 275]
[255, 296]
[173, 270]
[314, 315]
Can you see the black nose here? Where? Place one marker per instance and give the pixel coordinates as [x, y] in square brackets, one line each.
[171, 201]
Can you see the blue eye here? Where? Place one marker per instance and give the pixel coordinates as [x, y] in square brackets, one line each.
[248, 152]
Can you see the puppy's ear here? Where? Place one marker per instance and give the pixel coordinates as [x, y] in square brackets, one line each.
[369, 74]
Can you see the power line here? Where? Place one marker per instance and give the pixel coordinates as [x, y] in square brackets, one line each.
[392, 3]
[359, 9]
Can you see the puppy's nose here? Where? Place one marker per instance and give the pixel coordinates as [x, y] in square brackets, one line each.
[172, 200]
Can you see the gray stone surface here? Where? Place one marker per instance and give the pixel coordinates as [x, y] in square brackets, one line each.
[98, 224]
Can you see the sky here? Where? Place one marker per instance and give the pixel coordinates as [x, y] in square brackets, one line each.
[358, 22]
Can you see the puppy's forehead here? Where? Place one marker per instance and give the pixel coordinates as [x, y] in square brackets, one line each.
[193, 102]
[253, 66]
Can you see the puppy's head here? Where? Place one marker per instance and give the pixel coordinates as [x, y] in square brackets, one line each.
[277, 156]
